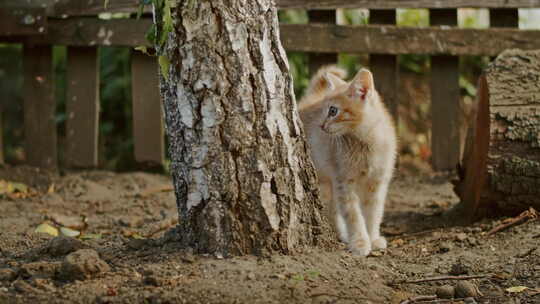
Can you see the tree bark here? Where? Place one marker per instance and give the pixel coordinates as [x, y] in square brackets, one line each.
[243, 180]
[500, 169]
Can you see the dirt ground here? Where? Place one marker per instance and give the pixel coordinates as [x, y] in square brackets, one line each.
[123, 217]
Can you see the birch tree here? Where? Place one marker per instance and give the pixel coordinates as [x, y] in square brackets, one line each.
[243, 181]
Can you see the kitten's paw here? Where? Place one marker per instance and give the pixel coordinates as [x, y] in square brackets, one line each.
[360, 247]
[379, 243]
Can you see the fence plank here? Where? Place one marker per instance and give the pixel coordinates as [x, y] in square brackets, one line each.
[317, 60]
[385, 67]
[147, 112]
[39, 107]
[82, 107]
[445, 143]
[322, 38]
[92, 7]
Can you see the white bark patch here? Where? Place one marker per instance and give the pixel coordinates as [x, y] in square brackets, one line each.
[269, 202]
[198, 188]
[208, 111]
[186, 114]
[238, 35]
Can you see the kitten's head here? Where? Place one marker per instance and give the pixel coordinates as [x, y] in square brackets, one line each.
[347, 104]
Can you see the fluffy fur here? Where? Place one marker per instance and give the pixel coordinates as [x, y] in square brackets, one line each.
[352, 142]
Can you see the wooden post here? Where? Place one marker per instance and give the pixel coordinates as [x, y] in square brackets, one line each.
[385, 68]
[147, 112]
[39, 107]
[82, 107]
[317, 60]
[445, 143]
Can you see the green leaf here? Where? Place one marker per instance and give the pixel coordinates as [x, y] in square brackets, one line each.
[90, 236]
[151, 35]
[143, 49]
[164, 64]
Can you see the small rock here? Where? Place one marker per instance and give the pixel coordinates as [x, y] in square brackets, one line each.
[469, 301]
[154, 280]
[62, 245]
[73, 222]
[445, 292]
[82, 264]
[188, 258]
[472, 241]
[136, 243]
[39, 269]
[23, 287]
[445, 247]
[43, 284]
[7, 274]
[461, 236]
[251, 276]
[466, 289]
[459, 268]
[131, 221]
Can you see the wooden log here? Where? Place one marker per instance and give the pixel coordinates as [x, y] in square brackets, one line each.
[445, 143]
[148, 134]
[385, 68]
[317, 60]
[82, 107]
[39, 107]
[500, 169]
[321, 38]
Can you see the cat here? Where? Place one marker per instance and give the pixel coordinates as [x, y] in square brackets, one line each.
[352, 141]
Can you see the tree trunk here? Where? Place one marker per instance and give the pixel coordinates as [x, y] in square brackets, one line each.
[500, 169]
[244, 183]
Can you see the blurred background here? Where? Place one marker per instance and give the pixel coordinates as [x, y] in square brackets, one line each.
[116, 141]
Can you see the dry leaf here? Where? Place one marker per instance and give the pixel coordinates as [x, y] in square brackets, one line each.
[46, 228]
[516, 289]
[69, 232]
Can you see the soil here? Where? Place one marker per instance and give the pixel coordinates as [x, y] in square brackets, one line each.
[126, 256]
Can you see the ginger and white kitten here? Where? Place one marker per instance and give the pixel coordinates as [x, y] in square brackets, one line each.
[353, 143]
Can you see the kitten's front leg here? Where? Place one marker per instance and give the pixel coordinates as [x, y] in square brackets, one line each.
[348, 205]
[373, 207]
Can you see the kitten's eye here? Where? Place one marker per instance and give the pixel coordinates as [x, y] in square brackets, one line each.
[332, 111]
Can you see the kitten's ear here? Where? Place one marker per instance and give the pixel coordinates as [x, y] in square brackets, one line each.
[362, 85]
[326, 79]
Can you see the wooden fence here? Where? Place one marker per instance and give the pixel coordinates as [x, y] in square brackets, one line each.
[73, 23]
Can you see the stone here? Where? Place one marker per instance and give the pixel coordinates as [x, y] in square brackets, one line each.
[82, 264]
[62, 245]
[445, 292]
[461, 236]
[7, 274]
[39, 269]
[465, 289]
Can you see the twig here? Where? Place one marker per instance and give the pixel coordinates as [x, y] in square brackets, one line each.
[324, 294]
[526, 253]
[522, 218]
[443, 278]
[419, 298]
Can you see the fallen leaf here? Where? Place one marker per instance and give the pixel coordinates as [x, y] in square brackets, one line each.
[90, 236]
[46, 228]
[69, 232]
[516, 289]
[51, 189]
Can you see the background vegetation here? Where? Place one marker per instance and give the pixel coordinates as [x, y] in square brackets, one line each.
[116, 144]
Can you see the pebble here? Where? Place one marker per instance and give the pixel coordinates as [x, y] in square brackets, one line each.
[82, 264]
[445, 247]
[7, 274]
[62, 245]
[458, 268]
[461, 236]
[465, 289]
[39, 269]
[251, 276]
[445, 292]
